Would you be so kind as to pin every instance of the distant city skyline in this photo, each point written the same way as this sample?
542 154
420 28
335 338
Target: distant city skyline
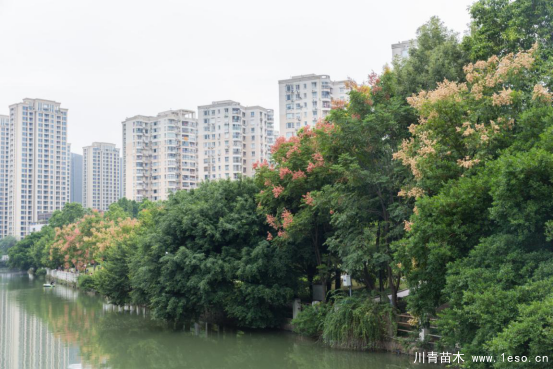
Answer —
115 60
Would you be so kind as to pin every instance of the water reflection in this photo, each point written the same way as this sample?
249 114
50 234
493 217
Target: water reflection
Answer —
25 341
63 328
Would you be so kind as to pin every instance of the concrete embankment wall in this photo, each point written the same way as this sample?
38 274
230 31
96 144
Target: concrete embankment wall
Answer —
67 278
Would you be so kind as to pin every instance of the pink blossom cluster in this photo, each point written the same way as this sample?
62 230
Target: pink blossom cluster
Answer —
277 190
287 219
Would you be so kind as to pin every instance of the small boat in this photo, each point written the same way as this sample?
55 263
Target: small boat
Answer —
48 285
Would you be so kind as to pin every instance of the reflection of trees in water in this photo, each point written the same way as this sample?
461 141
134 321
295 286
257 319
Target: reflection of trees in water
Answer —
69 315
123 340
151 346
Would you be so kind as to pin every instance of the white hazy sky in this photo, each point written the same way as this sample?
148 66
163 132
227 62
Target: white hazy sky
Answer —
106 60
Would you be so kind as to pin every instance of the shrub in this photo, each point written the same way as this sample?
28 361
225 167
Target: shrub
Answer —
41 272
357 323
86 283
310 321
351 322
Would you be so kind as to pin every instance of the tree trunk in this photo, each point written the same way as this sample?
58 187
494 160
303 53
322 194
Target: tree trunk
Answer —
337 279
393 287
310 277
319 260
369 279
380 278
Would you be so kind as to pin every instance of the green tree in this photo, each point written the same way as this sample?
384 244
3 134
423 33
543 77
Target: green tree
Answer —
289 186
463 129
500 27
130 207
6 243
529 335
35 250
112 280
70 213
435 55
208 255
19 254
493 288
368 213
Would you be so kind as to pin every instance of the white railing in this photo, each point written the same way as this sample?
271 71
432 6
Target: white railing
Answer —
61 275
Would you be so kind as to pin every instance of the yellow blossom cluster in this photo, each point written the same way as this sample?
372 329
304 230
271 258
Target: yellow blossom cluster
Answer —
541 93
467 162
404 154
445 90
487 85
415 192
491 72
504 97
427 145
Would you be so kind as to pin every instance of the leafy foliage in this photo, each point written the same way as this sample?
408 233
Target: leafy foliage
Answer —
358 323
6 243
500 27
349 322
310 321
208 253
435 55
86 282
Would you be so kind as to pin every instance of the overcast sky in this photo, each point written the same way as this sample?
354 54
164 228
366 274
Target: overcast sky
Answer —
106 60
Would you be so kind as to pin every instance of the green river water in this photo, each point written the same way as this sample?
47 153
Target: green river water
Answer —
63 328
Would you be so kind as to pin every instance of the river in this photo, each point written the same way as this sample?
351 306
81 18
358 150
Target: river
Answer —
63 328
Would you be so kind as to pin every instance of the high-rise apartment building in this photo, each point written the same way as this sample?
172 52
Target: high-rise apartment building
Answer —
101 170
231 138
121 179
159 154
401 49
76 193
305 99
4 152
36 160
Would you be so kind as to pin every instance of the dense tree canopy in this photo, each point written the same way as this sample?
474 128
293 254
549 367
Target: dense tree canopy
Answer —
500 27
6 243
435 55
209 253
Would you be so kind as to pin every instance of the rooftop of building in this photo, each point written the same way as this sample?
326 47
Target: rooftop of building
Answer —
304 77
188 114
96 144
220 103
138 117
400 44
27 99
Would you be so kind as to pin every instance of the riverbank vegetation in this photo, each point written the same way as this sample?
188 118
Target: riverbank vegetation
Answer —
349 322
436 175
